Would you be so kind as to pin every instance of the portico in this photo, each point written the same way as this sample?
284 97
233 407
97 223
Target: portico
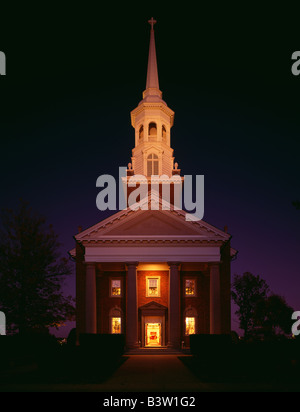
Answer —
114 248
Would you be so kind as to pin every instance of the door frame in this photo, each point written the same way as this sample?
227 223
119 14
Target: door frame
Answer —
153 319
149 311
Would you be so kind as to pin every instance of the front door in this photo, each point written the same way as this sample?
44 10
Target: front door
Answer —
153 334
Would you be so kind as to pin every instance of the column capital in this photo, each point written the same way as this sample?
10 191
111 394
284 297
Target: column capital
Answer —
89 264
214 263
130 264
172 264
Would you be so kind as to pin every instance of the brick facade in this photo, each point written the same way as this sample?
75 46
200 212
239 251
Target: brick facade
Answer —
200 303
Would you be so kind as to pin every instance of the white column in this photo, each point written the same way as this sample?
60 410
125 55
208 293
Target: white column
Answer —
174 306
132 310
215 299
90 299
159 131
168 135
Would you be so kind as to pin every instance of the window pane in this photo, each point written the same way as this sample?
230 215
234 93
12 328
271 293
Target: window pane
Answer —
155 167
116 287
153 291
189 326
153 283
116 325
190 287
152 287
149 168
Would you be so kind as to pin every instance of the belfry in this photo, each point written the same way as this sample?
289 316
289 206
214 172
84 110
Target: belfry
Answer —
153 275
152 120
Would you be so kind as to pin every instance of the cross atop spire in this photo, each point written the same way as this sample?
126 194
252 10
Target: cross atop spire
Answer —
152 75
152 22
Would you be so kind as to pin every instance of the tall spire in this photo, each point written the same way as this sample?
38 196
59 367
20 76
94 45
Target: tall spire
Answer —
152 92
152 73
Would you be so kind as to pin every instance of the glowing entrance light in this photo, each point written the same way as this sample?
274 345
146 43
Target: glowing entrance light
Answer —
153 334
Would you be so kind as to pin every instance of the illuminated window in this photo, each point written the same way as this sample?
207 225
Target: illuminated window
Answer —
115 320
153 286
152 165
115 289
190 326
190 287
115 325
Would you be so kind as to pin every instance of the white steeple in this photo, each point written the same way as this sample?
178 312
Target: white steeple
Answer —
152 120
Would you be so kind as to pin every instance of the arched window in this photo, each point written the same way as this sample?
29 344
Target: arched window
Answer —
115 320
164 134
141 133
190 321
152 132
152 165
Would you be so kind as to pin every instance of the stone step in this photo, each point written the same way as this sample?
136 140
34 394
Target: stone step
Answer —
155 351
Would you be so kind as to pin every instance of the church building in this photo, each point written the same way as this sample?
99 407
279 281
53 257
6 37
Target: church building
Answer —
153 275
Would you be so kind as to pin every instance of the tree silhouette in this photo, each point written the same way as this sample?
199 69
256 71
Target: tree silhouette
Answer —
31 272
247 291
272 317
296 204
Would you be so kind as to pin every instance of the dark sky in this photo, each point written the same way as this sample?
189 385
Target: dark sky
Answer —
75 73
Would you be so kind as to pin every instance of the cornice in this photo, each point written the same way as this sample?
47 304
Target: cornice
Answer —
154 242
151 106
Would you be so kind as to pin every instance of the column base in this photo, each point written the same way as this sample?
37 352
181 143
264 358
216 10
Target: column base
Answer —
174 345
132 345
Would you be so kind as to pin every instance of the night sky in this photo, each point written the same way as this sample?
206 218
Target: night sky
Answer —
75 73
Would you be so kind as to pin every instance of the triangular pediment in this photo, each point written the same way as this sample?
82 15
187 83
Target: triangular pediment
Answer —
154 147
153 306
152 222
159 224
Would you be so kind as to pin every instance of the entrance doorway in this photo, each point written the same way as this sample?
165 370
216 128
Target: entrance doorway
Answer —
153 334
152 331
